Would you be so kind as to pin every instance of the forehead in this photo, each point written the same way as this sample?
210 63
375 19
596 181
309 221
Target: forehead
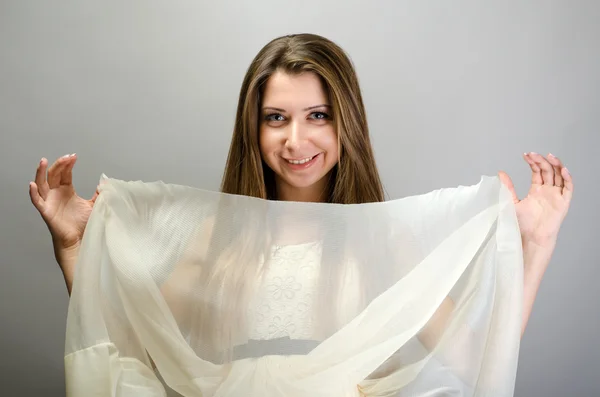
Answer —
290 91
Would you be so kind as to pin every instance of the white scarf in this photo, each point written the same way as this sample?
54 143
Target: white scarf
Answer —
182 291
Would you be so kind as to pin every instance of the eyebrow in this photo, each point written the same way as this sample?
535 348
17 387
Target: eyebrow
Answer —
305 109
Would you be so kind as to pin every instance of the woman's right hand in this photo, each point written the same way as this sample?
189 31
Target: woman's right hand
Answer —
65 213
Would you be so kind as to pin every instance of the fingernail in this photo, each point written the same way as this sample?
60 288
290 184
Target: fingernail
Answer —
65 156
73 155
551 155
532 153
567 171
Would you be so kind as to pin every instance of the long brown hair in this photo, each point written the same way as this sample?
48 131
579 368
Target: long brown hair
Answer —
233 263
355 178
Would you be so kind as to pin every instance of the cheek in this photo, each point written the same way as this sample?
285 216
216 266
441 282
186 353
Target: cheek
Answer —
266 145
329 142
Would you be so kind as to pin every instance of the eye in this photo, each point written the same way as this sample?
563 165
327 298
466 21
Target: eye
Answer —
274 117
319 116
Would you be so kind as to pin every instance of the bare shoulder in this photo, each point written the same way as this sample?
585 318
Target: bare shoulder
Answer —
178 289
199 242
195 250
186 271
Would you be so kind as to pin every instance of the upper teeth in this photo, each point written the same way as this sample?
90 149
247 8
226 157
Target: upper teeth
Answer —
300 161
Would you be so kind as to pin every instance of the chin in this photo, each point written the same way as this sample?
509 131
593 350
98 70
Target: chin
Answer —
306 183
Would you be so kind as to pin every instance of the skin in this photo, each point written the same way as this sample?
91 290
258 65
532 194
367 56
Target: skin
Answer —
297 130
296 124
540 214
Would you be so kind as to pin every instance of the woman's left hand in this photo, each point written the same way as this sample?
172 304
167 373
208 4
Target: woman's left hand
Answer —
542 212
540 215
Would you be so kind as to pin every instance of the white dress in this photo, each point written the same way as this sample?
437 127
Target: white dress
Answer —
281 311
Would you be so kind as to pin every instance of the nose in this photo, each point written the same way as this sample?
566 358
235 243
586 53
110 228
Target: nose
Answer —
293 136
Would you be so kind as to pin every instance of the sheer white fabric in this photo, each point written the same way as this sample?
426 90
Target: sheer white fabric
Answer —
186 292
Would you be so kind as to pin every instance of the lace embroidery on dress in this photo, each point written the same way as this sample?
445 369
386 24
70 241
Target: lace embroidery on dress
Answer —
281 307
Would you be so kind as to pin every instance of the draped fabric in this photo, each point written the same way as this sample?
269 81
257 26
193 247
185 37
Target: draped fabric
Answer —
180 291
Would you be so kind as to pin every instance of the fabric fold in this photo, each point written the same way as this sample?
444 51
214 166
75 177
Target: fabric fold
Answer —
180 291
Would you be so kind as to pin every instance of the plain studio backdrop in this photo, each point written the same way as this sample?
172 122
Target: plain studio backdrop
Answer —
148 90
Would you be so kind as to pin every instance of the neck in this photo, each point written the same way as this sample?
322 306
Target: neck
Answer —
316 193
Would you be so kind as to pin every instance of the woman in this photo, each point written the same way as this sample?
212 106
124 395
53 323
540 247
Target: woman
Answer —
301 135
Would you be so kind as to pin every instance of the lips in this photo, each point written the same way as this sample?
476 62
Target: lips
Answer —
301 163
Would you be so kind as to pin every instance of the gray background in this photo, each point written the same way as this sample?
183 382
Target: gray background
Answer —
454 90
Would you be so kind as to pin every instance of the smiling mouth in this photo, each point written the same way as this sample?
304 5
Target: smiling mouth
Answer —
301 161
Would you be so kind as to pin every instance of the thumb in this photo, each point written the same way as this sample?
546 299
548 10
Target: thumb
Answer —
505 179
96 193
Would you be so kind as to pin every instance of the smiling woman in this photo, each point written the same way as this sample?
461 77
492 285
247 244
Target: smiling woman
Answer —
301 99
297 279
298 140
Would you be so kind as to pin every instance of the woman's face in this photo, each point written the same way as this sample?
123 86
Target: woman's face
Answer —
297 136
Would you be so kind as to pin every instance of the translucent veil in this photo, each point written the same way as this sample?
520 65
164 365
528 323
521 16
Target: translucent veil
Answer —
182 291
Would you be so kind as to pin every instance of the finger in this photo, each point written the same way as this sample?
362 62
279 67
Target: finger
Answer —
536 174
545 166
55 170
95 196
40 178
505 179
36 199
557 165
66 176
568 180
